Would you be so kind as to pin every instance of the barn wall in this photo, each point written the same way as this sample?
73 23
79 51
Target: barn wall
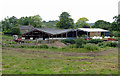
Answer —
95 34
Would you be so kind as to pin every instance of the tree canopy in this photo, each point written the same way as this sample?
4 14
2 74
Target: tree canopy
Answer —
102 24
35 21
65 22
9 23
82 23
116 24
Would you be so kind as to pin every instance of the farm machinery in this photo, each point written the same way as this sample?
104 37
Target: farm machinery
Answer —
17 38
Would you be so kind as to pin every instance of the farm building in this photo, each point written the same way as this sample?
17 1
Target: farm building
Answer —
54 33
49 33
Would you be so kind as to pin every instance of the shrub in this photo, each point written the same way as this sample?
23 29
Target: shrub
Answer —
53 47
95 41
111 44
72 46
43 46
91 47
22 46
32 46
79 42
117 38
102 45
115 33
71 41
12 42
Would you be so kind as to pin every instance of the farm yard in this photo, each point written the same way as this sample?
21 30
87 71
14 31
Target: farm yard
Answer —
21 59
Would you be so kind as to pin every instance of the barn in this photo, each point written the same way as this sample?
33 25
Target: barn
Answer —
49 33
54 33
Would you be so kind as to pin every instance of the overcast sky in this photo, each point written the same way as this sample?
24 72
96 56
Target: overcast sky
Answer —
50 9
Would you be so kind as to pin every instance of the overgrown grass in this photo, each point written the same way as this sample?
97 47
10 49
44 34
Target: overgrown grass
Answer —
91 47
45 61
52 60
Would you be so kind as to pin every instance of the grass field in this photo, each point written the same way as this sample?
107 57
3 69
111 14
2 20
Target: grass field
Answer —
41 61
58 61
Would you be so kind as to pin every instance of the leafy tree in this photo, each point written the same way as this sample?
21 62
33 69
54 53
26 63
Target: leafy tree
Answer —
116 24
35 21
49 24
102 24
15 31
65 21
8 23
82 23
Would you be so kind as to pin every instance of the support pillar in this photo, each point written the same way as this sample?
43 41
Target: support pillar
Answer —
76 34
87 36
66 35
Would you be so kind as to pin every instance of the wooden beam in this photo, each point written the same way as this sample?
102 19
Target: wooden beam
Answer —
66 34
87 36
76 33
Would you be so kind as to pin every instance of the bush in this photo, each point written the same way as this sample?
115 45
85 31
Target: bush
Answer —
95 41
12 42
79 42
53 47
43 46
22 46
65 41
102 45
72 46
32 46
115 33
91 47
111 44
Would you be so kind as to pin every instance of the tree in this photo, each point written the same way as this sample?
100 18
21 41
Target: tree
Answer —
116 24
35 21
8 23
102 24
82 23
49 24
15 31
65 21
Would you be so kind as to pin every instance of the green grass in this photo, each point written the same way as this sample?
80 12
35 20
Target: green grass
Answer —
58 60
39 61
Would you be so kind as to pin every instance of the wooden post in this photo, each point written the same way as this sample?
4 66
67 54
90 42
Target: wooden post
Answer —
52 38
104 34
61 35
72 34
66 34
87 36
76 33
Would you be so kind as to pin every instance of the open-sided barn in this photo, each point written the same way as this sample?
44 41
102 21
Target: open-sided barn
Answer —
54 33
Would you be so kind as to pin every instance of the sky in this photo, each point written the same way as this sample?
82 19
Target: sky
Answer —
93 10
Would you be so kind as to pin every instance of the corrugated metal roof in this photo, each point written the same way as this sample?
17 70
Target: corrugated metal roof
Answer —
93 30
54 31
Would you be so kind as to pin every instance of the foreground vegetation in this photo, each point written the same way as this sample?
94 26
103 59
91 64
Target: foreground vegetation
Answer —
43 59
